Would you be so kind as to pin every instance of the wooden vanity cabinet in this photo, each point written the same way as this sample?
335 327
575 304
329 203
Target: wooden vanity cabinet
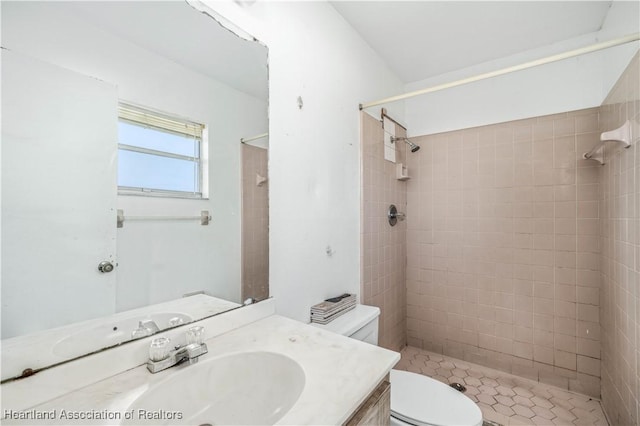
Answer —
376 409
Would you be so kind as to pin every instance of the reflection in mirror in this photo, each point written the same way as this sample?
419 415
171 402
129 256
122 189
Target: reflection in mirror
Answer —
255 219
72 281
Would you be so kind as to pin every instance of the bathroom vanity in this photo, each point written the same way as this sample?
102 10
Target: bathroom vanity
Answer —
260 368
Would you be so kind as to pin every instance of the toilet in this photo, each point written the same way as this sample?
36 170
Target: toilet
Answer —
415 399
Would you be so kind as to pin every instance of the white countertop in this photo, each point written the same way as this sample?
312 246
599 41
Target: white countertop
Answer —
339 374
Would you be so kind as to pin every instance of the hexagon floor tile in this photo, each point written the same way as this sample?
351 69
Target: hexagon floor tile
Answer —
503 403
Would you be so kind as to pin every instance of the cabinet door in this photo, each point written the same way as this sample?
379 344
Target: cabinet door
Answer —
59 153
376 410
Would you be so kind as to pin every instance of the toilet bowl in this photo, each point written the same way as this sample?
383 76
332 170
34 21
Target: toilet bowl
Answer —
415 399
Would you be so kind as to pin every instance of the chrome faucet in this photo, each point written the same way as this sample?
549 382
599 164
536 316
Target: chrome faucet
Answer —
145 328
162 357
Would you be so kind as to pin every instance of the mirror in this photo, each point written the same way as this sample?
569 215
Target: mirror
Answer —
72 280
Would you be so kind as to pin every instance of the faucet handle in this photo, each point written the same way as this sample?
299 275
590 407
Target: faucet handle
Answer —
159 348
195 334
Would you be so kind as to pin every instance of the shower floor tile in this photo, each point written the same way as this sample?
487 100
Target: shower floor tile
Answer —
506 399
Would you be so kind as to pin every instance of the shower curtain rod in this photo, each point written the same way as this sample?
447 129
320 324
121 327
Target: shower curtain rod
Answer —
383 114
253 138
553 58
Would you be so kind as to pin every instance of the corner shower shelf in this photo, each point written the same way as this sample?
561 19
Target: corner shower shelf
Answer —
621 134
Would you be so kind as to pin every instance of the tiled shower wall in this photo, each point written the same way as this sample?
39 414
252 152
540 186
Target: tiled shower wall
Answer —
383 247
620 239
503 248
255 224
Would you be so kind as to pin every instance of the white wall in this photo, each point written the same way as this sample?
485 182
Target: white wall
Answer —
314 151
157 261
38 102
623 18
572 84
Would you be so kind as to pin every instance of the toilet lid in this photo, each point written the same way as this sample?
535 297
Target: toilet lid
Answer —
421 400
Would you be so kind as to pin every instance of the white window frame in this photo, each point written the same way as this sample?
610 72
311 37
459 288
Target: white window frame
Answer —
145 117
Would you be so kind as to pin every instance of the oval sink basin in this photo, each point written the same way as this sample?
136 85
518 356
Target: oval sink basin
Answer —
247 388
112 333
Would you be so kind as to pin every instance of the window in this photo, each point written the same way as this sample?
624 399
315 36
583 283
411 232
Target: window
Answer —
159 155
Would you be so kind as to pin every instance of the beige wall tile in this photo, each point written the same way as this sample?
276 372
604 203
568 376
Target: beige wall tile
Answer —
564 126
386 281
565 325
588 295
587 123
523 350
543 290
542 130
255 230
512 221
543 338
565 292
564 176
590 366
588 330
564 309
588 347
543 354
590 313
543 322
565 343
565 276
565 360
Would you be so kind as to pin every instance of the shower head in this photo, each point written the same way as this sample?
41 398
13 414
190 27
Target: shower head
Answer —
412 145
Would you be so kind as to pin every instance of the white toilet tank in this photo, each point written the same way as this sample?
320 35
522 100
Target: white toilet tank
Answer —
360 323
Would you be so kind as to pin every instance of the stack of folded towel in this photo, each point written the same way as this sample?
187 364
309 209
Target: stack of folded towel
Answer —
330 309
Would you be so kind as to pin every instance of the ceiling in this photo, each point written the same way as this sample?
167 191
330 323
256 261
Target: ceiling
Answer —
422 39
175 30
417 39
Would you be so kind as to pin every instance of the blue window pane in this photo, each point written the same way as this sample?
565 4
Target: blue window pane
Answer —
148 171
151 138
